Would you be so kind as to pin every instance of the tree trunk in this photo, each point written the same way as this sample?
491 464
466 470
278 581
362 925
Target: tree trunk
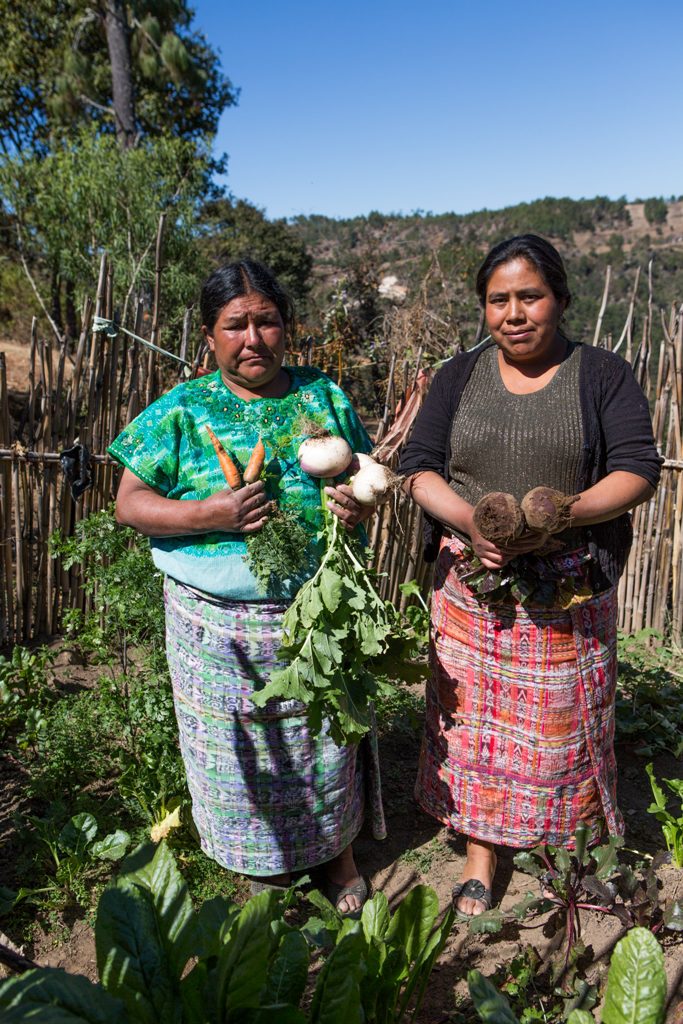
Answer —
72 328
56 300
123 94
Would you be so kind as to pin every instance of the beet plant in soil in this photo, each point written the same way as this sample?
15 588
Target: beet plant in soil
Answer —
635 993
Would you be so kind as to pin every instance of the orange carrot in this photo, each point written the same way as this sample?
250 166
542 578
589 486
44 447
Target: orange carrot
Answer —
230 470
255 464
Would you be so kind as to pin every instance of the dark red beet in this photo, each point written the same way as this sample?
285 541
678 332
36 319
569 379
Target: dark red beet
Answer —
547 510
498 517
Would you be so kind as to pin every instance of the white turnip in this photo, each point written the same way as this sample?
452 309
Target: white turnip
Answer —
374 484
359 461
324 456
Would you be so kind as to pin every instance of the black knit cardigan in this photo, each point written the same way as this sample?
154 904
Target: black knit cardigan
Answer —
617 435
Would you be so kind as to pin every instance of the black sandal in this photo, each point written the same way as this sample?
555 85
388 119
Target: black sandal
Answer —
475 890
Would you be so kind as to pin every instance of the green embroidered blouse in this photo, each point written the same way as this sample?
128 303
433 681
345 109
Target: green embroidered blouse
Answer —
168 448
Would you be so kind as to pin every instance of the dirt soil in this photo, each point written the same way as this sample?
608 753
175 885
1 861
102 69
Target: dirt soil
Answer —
418 849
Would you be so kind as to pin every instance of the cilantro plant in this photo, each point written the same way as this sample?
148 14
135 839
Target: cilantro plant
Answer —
342 643
278 550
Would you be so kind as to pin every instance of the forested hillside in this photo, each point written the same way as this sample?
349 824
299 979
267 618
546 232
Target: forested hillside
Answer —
439 254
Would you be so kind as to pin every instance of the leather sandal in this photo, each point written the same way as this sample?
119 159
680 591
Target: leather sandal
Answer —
475 890
336 893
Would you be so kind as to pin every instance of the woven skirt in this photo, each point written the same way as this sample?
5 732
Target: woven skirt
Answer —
519 737
267 797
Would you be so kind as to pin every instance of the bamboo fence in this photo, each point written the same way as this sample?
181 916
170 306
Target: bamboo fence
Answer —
89 395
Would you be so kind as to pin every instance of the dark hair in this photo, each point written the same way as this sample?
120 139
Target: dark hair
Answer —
233 280
541 254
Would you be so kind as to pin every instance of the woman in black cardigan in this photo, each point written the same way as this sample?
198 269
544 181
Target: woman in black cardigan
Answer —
518 744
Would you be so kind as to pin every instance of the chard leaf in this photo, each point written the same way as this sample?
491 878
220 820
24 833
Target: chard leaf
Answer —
376 917
657 791
132 962
413 921
317 933
336 999
490 1004
78 833
112 847
278 1014
154 868
330 915
636 982
213 915
288 971
52 996
243 960
194 994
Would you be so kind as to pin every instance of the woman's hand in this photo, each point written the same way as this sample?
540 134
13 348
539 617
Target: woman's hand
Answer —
243 511
349 512
140 506
492 556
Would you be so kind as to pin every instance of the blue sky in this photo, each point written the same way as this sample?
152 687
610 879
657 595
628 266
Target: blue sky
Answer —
346 108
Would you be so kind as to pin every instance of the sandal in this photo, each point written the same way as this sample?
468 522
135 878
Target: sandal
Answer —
474 890
336 893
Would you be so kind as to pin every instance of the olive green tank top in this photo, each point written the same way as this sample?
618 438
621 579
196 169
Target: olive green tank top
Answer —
506 442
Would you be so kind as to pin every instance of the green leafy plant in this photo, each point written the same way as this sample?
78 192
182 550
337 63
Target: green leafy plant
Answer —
649 701
126 588
343 643
159 959
126 632
672 826
278 550
25 693
534 997
579 881
636 987
528 579
74 848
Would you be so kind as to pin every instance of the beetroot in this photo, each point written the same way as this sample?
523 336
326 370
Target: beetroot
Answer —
547 510
498 517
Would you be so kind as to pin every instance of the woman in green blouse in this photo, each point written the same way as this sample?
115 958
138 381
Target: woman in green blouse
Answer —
267 797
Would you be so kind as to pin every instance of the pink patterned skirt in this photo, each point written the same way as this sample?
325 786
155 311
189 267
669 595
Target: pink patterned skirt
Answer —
519 733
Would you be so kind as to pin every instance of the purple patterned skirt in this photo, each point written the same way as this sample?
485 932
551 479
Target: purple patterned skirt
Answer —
267 797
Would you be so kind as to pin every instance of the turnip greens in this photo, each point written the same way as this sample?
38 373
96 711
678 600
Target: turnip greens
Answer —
343 643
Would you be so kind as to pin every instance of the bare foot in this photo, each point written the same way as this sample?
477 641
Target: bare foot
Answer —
481 864
342 870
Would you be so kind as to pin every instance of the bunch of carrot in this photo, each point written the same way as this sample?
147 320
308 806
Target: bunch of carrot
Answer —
231 473
277 551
